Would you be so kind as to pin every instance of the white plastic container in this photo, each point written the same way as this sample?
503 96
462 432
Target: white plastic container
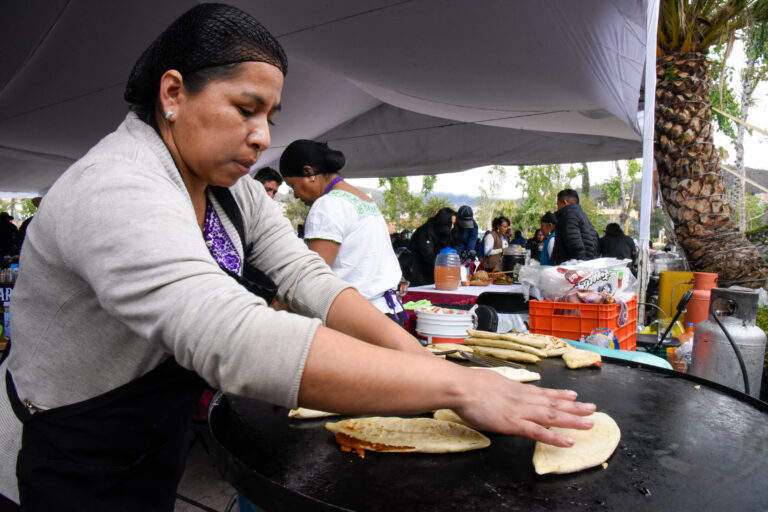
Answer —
440 325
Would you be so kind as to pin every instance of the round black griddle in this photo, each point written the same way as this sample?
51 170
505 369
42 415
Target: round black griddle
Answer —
681 448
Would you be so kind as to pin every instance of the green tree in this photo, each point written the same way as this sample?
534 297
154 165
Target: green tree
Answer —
490 191
722 95
688 164
401 207
539 185
620 189
584 172
755 210
434 204
295 210
26 208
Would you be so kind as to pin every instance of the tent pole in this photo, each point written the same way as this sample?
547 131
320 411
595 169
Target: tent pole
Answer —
646 191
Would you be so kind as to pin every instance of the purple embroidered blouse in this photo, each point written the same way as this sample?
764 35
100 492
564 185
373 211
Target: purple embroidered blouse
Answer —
218 241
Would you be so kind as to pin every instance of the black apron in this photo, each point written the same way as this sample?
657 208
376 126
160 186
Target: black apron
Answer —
124 449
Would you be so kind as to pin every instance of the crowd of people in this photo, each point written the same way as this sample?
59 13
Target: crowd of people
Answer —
563 235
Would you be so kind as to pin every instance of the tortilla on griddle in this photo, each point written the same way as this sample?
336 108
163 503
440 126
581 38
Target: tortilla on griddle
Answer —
557 348
533 340
307 414
518 374
510 345
392 434
590 448
443 347
578 358
506 354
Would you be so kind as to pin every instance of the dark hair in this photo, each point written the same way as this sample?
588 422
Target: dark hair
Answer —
266 174
206 43
569 195
549 218
316 155
498 221
536 233
518 233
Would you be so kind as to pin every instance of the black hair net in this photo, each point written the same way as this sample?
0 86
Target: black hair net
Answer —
205 36
314 154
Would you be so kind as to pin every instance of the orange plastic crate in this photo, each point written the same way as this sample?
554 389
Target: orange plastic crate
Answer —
571 321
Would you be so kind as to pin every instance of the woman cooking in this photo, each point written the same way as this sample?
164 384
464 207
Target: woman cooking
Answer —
494 243
148 271
344 225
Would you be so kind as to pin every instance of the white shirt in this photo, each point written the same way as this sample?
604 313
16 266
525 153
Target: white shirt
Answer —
365 258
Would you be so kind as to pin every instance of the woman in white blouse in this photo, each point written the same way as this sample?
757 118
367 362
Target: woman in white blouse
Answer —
344 225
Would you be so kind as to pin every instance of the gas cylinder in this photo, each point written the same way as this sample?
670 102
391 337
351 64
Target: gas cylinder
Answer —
713 357
697 309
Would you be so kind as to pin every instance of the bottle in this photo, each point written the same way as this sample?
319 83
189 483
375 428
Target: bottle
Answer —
688 334
447 269
672 357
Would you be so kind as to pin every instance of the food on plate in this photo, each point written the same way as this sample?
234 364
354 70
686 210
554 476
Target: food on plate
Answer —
511 345
478 282
518 374
577 358
481 275
590 448
392 434
503 280
506 354
307 414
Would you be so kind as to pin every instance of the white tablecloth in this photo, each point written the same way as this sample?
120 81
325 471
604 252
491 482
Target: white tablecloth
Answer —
476 290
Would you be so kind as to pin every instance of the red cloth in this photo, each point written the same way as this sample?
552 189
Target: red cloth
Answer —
439 298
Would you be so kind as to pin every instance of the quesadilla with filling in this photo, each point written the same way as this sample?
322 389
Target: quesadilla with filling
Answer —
391 434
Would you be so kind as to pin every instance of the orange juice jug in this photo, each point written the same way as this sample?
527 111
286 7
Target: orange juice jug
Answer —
447 269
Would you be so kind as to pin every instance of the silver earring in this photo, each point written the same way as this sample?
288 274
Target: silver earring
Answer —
313 178
168 115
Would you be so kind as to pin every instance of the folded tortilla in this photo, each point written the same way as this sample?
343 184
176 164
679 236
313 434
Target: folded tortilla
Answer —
506 354
578 358
590 448
510 345
533 340
391 434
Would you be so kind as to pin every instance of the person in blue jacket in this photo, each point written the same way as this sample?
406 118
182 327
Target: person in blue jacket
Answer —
464 235
547 226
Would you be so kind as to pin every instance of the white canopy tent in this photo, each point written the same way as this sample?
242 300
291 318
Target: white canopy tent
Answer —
402 87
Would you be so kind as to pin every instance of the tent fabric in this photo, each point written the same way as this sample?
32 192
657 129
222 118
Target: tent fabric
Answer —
403 87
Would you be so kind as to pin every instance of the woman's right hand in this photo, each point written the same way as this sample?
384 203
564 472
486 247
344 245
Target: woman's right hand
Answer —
495 403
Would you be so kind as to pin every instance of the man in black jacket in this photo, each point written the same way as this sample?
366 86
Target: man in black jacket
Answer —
575 236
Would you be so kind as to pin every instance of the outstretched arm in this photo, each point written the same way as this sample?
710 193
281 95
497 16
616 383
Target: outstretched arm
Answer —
346 376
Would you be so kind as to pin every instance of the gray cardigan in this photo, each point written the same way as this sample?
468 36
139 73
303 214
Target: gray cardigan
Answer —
115 277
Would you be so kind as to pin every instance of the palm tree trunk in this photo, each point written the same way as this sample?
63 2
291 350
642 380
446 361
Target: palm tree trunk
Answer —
689 173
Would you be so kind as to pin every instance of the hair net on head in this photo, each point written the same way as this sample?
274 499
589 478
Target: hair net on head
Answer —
314 154
205 36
